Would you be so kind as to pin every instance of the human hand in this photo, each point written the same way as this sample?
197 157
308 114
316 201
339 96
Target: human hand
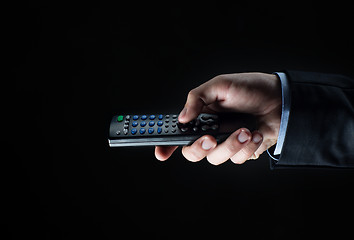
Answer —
258 94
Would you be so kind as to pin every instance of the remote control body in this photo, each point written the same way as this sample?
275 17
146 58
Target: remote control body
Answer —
164 129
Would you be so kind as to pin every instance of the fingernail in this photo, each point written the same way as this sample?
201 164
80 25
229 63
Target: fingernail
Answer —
207 144
242 136
257 138
183 113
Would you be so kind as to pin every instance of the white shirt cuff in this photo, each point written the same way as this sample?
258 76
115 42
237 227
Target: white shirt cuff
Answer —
285 106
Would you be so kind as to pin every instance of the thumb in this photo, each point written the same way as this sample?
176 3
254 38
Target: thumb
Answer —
207 93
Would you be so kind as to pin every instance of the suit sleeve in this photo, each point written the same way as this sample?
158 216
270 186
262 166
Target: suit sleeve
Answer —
320 130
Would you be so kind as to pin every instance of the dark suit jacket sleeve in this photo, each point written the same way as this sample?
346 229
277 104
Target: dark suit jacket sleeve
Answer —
320 130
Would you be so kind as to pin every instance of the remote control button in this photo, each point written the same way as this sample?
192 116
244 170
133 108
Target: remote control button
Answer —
174 125
120 118
215 126
142 130
166 126
159 130
167 121
143 124
167 116
197 122
134 131
118 132
144 117
184 129
135 117
127 117
195 129
174 116
205 127
166 130
173 130
125 131
151 130
152 117
204 117
159 123
126 126
135 123
151 123
160 117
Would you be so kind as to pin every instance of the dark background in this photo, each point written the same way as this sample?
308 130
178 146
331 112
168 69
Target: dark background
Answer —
72 67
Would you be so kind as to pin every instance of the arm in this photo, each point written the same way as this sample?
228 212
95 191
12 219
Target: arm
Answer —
320 130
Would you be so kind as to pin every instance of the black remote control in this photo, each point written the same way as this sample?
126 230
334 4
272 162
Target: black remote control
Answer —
164 129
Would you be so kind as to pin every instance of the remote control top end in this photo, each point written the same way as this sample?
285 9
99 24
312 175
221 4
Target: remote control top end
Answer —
164 129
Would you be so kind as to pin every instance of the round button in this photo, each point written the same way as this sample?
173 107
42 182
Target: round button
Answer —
135 117
160 117
152 117
134 131
159 123
159 130
120 118
135 123
143 124
184 129
151 130
151 123
144 117
142 130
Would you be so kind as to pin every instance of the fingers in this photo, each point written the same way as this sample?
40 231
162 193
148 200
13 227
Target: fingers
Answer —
232 145
248 151
199 149
239 147
207 93
162 153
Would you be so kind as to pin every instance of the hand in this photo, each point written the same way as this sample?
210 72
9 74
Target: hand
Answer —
258 94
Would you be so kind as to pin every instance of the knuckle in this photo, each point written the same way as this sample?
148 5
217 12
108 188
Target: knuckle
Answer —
237 160
232 148
191 93
246 152
212 161
241 156
192 154
220 78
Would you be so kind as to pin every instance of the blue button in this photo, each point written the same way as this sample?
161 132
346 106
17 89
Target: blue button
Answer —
135 123
143 124
160 117
159 123
144 117
159 130
142 130
151 130
151 123
152 117
134 131
135 117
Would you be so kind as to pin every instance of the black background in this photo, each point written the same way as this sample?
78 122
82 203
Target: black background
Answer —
72 67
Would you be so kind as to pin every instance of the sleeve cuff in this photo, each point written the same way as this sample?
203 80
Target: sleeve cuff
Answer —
285 89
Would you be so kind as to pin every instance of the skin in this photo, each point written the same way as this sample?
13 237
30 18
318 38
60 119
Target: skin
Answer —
258 94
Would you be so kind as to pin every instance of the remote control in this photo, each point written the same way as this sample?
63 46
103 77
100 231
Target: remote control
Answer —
164 129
